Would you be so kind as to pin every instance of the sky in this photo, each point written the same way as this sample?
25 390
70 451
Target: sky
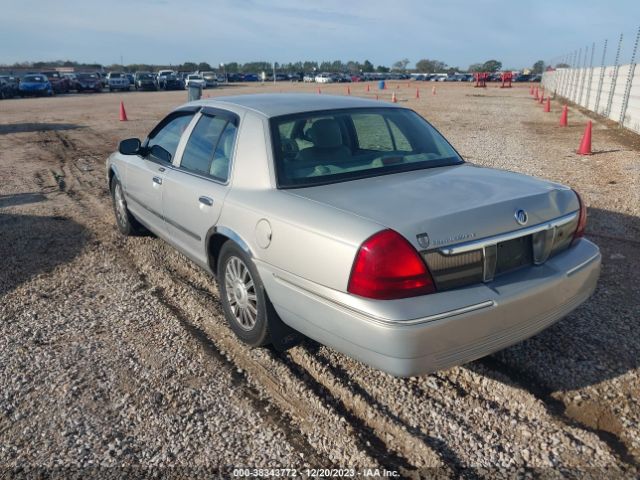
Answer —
516 32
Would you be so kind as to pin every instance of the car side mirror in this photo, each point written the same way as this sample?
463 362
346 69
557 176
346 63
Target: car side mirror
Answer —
130 146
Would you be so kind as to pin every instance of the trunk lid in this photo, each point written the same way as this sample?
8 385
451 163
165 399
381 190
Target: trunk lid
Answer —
450 204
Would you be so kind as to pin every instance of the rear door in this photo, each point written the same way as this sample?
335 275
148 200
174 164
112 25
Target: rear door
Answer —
195 189
146 174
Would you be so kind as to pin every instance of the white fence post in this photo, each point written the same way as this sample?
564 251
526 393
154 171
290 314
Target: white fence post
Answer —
576 77
593 50
599 94
627 90
614 78
583 75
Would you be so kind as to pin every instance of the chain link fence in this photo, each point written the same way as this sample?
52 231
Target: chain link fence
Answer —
612 91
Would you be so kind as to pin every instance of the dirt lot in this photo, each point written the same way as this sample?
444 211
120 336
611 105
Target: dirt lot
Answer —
114 352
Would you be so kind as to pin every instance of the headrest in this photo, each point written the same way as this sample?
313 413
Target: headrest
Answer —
325 133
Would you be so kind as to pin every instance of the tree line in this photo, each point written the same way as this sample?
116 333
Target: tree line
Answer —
424 65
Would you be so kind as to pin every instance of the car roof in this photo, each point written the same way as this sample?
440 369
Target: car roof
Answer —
277 104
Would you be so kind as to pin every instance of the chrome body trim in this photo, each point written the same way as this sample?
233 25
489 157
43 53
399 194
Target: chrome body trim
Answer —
227 232
484 242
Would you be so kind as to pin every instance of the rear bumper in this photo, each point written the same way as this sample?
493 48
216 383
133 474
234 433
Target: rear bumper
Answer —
424 334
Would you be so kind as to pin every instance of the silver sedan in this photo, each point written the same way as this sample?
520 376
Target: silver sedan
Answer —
355 223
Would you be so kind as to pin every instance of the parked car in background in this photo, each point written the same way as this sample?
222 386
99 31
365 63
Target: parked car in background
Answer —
168 80
145 81
309 78
35 85
296 76
196 80
131 78
103 79
357 224
59 83
235 77
251 77
324 78
87 82
117 81
523 77
210 78
71 80
8 86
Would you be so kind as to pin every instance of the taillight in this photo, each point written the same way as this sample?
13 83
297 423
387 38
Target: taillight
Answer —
582 219
387 267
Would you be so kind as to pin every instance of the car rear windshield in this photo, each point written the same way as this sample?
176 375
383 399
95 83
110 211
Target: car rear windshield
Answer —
84 76
116 75
318 148
33 78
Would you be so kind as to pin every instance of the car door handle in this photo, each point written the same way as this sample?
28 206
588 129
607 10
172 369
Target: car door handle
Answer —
206 201
157 180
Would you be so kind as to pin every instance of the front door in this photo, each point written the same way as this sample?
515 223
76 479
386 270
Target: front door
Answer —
146 175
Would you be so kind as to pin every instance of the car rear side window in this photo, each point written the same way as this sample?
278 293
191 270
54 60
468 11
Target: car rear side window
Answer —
208 150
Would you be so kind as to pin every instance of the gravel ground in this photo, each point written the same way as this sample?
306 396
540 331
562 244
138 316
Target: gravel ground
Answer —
114 352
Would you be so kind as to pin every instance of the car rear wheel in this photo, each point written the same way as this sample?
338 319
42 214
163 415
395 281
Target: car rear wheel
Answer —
244 300
127 224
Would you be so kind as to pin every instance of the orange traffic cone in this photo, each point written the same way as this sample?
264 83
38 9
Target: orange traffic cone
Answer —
123 114
417 93
393 98
433 90
530 89
408 85
367 87
547 106
398 87
563 116
585 144
348 90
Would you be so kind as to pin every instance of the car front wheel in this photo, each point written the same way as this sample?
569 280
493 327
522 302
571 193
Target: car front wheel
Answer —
126 222
243 296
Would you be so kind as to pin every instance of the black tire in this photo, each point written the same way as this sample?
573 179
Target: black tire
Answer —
126 223
258 334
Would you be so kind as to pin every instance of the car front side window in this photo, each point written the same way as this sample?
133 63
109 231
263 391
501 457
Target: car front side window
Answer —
167 135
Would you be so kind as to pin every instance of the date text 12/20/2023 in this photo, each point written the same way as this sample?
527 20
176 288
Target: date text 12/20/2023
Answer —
314 472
